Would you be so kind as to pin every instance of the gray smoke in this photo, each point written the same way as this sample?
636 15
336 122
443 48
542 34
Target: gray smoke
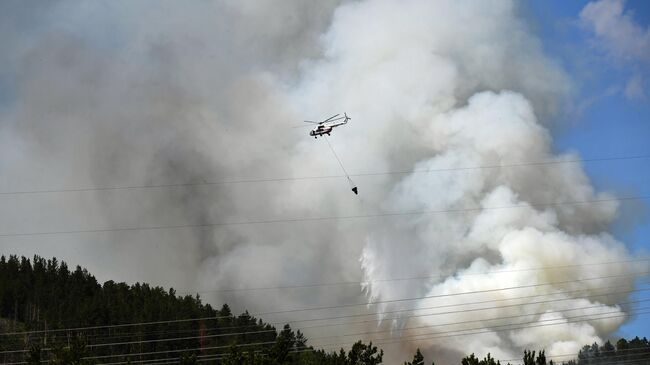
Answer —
121 93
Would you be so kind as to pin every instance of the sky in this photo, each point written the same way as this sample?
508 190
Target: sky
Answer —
610 123
118 93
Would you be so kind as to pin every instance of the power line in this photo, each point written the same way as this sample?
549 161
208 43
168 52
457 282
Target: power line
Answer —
599 351
493 319
273 342
298 178
319 219
209 357
375 320
176 339
414 310
356 334
172 351
454 333
76 329
455 311
263 344
600 361
482 330
218 356
203 358
452 294
200 358
311 285
182 350
129 334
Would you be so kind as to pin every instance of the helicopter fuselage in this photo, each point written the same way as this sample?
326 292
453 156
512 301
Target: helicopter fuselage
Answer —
326 126
320 130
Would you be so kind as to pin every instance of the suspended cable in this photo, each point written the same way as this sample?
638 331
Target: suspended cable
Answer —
353 187
439 276
390 312
480 330
76 329
264 180
616 351
435 307
176 339
454 311
492 319
130 334
618 354
320 219
452 294
451 334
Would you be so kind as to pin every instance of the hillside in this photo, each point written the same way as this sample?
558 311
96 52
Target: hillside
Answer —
50 314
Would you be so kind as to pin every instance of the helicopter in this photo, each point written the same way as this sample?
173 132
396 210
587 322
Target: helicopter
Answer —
326 126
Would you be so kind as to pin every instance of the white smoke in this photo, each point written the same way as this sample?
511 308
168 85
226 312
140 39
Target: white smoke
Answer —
208 91
450 84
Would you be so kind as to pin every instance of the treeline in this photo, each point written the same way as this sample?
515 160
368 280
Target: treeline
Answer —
635 351
40 297
51 314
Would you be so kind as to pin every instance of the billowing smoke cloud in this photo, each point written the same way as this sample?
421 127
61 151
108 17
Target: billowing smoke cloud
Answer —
617 30
122 94
623 39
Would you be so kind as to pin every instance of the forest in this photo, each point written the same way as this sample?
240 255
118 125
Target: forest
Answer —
50 314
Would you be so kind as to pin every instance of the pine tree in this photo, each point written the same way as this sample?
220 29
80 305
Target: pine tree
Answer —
529 357
34 355
418 359
362 354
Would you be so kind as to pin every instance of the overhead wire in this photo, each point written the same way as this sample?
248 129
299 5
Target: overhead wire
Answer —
297 178
453 312
457 332
491 319
618 354
403 329
380 341
446 324
337 306
294 321
480 330
210 357
383 341
349 323
413 315
438 276
203 358
322 218
617 351
344 217
207 336
453 294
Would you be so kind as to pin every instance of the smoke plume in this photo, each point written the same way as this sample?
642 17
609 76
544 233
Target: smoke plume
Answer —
114 93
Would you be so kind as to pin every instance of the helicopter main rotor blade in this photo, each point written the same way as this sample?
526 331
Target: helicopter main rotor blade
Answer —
330 118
